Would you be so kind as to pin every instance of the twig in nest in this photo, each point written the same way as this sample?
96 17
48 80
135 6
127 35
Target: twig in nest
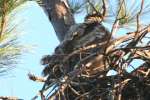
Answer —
120 40
146 73
89 47
122 83
35 78
74 91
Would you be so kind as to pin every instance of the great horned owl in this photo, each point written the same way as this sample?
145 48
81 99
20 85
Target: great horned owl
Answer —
81 35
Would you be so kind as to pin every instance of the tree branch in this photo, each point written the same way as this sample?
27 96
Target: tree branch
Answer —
60 16
9 98
36 78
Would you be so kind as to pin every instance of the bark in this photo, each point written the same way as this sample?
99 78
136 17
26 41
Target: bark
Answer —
60 16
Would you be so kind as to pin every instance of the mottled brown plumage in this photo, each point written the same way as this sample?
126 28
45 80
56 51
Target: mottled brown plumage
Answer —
80 36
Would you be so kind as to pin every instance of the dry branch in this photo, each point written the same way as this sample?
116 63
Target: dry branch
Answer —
9 98
35 78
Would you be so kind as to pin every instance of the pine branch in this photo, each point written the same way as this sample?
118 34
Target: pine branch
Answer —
3 20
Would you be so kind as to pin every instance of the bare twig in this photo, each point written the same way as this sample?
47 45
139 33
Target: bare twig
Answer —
93 7
104 9
35 78
114 27
138 15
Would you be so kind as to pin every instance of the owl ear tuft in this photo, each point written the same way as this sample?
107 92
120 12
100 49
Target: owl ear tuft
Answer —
93 18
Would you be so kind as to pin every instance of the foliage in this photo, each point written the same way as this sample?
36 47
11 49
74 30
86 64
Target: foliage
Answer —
10 49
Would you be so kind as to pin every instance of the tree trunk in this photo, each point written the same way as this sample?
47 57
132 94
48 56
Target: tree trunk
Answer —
60 16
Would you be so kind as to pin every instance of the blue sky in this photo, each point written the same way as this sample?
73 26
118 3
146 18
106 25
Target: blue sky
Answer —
35 31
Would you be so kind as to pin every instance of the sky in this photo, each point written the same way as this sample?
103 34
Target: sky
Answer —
38 36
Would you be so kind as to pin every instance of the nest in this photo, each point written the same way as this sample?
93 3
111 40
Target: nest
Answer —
82 73
79 68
